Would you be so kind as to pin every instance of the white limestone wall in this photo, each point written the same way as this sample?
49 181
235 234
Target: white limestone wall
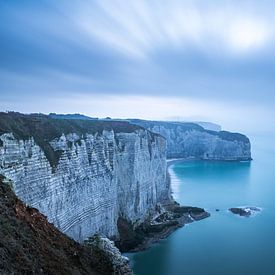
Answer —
139 191
98 178
201 145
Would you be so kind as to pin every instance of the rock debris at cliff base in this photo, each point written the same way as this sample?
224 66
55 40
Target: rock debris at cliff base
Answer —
170 216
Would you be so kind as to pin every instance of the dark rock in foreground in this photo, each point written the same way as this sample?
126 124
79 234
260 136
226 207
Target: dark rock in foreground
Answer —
170 217
106 249
244 211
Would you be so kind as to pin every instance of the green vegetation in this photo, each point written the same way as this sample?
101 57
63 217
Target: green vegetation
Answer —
71 116
233 136
186 126
44 129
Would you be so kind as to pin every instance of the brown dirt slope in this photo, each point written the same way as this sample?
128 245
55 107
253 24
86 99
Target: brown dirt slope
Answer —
29 244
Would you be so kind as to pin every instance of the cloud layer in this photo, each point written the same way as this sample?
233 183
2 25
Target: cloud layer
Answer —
188 50
138 28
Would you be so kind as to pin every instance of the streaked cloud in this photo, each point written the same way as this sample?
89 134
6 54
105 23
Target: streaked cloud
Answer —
249 35
192 51
136 28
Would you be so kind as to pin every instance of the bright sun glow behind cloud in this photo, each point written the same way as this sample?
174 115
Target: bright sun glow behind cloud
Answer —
135 28
248 34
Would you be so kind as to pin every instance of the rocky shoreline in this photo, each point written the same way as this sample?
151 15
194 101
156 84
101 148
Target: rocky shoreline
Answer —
164 220
170 216
176 160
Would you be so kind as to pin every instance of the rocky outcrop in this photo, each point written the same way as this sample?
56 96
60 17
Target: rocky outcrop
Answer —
29 244
168 217
105 249
84 175
189 140
246 211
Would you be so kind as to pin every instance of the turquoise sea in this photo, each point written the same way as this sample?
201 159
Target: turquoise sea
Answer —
224 244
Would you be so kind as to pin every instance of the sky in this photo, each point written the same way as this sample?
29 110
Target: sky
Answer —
168 60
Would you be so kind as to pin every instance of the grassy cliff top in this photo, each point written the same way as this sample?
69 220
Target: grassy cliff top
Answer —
187 126
167 124
25 126
44 129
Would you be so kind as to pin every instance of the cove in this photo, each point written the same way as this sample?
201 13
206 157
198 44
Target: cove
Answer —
224 243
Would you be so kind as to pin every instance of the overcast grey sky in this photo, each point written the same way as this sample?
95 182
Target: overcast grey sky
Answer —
207 60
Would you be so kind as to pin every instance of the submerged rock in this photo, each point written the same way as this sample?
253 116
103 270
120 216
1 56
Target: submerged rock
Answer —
245 211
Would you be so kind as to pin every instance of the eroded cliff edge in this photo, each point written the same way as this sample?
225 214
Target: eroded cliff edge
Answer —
84 175
190 140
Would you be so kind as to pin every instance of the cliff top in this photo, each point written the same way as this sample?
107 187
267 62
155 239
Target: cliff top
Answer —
44 129
29 244
189 126
24 126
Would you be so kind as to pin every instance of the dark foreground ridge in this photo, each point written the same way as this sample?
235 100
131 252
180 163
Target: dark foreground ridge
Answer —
170 217
29 244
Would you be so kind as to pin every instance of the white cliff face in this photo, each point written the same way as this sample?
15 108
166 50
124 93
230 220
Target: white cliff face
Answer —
186 140
203 145
98 178
140 170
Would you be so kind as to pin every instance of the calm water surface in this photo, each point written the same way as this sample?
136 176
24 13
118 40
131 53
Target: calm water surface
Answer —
224 243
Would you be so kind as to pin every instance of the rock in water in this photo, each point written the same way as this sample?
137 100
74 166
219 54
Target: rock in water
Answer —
245 211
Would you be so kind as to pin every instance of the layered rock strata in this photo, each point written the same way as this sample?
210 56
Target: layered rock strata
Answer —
84 175
189 140
168 217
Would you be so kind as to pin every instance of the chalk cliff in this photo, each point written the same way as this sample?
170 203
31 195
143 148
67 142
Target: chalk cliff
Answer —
189 140
209 126
84 175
